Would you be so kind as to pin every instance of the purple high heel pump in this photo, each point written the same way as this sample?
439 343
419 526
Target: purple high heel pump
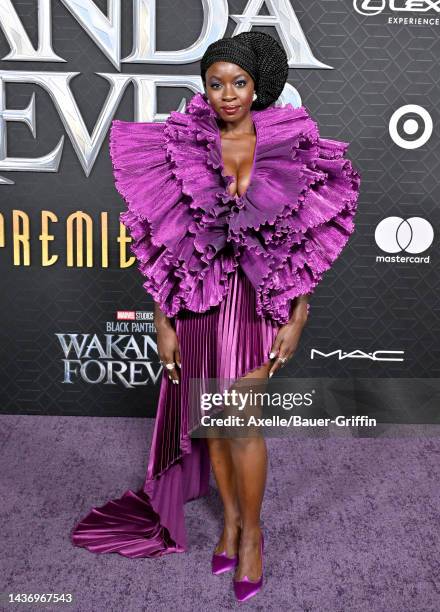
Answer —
245 588
222 563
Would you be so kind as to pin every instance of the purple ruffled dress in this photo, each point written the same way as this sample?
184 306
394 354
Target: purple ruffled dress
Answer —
226 270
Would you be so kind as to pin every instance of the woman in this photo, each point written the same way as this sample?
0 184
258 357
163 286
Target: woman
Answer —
236 209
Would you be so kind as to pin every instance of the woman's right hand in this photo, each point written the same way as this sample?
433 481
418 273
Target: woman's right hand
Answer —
168 348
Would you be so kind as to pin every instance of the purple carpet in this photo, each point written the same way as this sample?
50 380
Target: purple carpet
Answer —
351 524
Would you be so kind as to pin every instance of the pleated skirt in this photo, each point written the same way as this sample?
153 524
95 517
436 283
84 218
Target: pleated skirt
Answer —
226 342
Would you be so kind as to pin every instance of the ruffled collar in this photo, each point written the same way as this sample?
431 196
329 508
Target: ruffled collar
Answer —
193 141
208 119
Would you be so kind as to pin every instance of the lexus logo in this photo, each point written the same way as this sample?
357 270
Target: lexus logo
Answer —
375 7
413 235
369 7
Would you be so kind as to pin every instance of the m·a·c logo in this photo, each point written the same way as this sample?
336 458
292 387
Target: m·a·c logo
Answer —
413 236
340 355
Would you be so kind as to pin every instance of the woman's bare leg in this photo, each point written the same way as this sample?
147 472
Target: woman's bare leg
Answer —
249 458
222 466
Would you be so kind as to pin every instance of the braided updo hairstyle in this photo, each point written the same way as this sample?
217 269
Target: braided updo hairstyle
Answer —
260 55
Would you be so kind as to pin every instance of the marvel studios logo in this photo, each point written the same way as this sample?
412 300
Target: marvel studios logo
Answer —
134 315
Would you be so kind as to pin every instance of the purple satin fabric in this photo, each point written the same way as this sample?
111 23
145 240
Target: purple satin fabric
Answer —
226 342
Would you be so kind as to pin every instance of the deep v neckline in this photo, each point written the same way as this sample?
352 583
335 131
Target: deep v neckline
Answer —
228 177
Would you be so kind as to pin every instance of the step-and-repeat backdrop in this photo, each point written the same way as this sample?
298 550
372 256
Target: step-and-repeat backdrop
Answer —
77 326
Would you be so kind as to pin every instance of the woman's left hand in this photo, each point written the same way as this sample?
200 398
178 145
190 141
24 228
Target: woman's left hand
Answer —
287 340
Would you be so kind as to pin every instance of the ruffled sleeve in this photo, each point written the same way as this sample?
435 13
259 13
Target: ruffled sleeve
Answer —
154 218
289 255
173 253
322 224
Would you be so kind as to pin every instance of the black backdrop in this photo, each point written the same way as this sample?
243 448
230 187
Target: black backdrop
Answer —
364 304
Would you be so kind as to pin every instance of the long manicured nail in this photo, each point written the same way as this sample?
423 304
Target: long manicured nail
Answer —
270 375
179 364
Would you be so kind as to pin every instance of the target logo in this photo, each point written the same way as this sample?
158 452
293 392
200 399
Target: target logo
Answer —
410 126
413 235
